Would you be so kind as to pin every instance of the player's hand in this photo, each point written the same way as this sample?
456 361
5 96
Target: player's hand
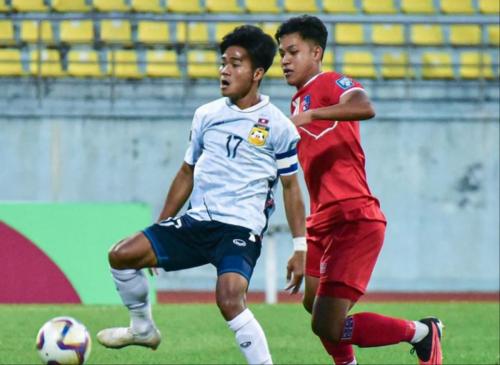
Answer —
301 118
153 271
295 271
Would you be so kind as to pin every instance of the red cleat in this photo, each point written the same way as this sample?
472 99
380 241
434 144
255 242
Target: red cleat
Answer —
429 349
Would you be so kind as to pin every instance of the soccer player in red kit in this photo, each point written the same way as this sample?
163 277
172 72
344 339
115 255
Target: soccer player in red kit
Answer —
345 229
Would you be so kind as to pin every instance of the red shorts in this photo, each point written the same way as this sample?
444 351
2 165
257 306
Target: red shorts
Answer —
343 256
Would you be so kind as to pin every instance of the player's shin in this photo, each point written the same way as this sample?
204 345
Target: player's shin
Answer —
133 287
342 354
250 338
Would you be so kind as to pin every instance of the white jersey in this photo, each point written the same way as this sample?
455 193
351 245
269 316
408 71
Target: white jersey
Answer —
238 156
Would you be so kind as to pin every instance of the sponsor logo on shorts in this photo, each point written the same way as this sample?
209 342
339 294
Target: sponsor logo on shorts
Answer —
239 242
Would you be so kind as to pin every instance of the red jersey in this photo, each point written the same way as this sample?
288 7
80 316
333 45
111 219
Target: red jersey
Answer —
331 156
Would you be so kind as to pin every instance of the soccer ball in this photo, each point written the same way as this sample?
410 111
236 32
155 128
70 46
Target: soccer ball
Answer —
63 340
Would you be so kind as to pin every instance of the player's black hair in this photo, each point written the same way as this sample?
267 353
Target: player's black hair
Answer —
259 45
309 27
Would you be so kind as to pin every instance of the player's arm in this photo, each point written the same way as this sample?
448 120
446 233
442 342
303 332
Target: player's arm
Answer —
353 105
295 215
179 192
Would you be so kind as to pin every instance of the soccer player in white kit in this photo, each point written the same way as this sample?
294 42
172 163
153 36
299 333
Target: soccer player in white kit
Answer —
240 146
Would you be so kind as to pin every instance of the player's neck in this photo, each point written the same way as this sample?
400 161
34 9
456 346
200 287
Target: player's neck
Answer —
309 78
247 101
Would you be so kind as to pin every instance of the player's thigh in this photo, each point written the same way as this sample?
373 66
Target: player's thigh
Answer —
179 243
134 252
311 286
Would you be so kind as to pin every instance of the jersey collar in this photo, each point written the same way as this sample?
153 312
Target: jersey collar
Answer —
264 100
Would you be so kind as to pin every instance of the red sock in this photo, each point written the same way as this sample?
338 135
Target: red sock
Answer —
371 329
342 354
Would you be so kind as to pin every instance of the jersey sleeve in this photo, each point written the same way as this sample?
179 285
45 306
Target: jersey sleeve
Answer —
195 147
341 84
285 148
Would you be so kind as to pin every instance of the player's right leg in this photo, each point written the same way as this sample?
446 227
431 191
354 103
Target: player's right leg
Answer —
126 259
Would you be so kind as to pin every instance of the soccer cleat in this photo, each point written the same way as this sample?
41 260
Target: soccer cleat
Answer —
429 348
119 337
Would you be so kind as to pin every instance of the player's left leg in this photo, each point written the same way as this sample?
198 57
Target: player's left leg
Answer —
235 258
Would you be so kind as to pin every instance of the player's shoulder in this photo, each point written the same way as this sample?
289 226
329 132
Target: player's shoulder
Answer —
339 80
214 106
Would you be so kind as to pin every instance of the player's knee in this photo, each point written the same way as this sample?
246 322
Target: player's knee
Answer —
117 257
230 304
326 331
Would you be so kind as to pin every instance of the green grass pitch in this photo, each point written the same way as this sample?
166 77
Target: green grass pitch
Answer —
197 334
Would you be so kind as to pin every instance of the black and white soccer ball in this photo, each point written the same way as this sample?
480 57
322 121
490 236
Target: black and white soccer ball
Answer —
63 340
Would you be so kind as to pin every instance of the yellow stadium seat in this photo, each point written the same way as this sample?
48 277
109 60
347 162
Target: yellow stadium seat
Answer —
84 63
349 33
223 6
49 60
123 64
457 7
275 71
489 6
111 5
379 7
79 6
426 35
388 34
437 65
202 64
328 61
300 6
192 33
76 31
3 7
184 6
151 32
116 31
359 64
31 30
418 6
29 5
148 6
340 6
221 29
7 32
10 62
395 65
162 63
465 35
270 28
259 6
494 35
475 65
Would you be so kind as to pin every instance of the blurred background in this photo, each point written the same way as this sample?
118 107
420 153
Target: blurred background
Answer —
96 101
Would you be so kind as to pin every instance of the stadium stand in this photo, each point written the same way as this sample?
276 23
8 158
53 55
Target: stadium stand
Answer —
359 64
489 6
123 64
10 62
223 6
45 63
202 64
349 33
29 5
465 35
418 6
84 63
259 6
7 32
300 6
437 65
76 31
395 65
476 65
116 32
221 29
148 6
184 6
494 35
33 31
111 5
340 7
328 61
153 33
3 7
457 7
160 63
192 32
388 34
80 6
427 35
379 7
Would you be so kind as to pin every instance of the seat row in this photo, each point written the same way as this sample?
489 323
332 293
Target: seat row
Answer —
147 32
257 6
204 64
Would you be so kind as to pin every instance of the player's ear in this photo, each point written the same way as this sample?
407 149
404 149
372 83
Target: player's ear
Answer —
318 53
258 74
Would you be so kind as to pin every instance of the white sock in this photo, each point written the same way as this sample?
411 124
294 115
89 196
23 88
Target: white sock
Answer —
421 330
250 338
353 362
132 285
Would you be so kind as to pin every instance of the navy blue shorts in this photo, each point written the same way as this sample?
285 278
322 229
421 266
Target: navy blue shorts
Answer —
185 242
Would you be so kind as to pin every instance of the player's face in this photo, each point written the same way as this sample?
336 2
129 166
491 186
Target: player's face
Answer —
300 59
236 73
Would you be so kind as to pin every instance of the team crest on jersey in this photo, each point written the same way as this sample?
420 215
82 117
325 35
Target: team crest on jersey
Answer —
258 135
345 82
263 121
306 103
